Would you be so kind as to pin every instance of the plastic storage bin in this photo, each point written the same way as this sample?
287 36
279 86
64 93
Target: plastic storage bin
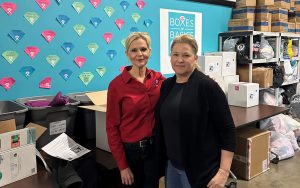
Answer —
85 125
57 119
13 110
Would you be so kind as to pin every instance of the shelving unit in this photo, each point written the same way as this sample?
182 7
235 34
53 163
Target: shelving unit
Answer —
275 40
268 35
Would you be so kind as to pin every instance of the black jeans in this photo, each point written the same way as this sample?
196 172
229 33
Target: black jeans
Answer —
141 162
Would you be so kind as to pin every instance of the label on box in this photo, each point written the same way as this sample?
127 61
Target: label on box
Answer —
265 165
58 127
227 62
237 88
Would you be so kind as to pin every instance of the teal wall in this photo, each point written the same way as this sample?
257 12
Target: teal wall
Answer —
214 20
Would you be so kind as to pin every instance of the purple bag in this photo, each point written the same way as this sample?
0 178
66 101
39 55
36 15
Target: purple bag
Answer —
59 100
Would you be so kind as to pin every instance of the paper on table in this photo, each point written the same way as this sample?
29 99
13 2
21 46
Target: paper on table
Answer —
64 147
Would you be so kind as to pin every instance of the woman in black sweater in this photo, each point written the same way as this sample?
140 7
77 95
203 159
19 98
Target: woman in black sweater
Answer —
194 125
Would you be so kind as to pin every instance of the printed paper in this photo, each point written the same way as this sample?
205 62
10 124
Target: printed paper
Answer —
31 17
16 35
147 23
52 60
109 11
95 21
43 4
120 23
32 51
79 60
7 82
65 74
10 56
107 37
136 17
78 6
140 4
63 147
95 3
124 5
68 47
93 47
48 35
86 77
101 71
79 29
27 71
9 7
62 19
46 83
111 54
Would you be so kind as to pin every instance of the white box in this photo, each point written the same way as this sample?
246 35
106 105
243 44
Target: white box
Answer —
210 65
228 66
243 94
17 138
16 164
228 80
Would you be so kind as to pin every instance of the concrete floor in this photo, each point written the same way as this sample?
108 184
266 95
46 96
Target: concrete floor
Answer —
285 174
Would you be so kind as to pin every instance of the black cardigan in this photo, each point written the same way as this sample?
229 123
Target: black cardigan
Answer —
206 127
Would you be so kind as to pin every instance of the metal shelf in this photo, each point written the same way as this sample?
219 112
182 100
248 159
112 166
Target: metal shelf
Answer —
246 33
294 35
290 82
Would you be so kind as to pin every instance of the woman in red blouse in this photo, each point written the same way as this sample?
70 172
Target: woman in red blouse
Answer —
131 99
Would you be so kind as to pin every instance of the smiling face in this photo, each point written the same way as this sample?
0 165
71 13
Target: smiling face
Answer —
138 52
183 59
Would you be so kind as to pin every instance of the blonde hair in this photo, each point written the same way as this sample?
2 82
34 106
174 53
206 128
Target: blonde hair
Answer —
137 35
190 40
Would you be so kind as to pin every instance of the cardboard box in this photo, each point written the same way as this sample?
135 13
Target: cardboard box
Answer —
17 164
244 12
261 75
279 14
228 64
228 80
285 4
297 27
245 3
280 26
100 100
262 25
297 5
264 2
262 13
291 27
240 25
292 8
17 138
297 17
243 94
211 65
252 154
17 152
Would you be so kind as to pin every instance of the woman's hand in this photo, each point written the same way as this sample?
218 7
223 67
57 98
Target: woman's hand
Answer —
219 180
127 176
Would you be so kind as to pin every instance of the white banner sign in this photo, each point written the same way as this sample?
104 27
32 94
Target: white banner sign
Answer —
172 24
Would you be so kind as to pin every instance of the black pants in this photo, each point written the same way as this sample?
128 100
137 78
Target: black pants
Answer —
141 162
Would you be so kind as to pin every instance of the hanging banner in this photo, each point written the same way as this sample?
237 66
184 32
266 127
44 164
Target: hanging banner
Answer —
172 24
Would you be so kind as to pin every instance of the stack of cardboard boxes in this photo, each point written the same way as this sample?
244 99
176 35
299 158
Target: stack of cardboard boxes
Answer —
265 15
